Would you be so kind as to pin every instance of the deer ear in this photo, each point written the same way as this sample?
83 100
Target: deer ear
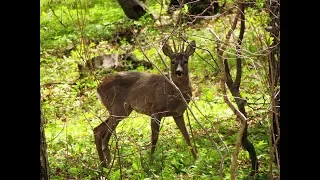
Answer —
191 48
167 50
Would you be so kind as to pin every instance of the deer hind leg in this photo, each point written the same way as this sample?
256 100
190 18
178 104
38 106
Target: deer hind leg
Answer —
181 125
103 132
155 128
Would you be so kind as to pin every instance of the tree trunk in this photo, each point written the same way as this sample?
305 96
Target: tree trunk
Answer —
133 8
234 87
44 165
274 73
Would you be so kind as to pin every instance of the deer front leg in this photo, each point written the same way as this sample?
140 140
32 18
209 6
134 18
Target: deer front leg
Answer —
155 128
102 134
181 125
99 133
110 127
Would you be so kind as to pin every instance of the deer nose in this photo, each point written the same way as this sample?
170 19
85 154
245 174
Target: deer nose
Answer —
179 69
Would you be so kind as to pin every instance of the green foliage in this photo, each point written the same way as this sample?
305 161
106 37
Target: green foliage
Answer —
71 108
66 22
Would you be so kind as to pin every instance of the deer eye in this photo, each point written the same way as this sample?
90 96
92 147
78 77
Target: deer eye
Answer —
172 62
185 62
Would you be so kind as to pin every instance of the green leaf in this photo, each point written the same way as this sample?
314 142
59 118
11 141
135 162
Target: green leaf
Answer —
135 166
70 139
115 175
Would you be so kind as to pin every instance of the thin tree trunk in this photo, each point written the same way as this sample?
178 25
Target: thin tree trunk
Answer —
234 87
44 165
274 75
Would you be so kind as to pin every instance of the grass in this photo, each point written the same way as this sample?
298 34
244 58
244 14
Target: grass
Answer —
72 152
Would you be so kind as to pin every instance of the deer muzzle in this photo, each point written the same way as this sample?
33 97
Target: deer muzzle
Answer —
179 71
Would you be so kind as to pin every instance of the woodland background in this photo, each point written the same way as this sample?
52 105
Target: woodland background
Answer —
234 73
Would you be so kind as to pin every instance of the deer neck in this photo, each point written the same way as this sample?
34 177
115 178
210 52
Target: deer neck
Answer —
182 83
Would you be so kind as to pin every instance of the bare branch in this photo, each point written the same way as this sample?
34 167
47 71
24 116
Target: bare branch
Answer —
206 60
233 27
213 127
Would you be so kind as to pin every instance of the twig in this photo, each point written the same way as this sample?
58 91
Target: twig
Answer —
225 146
119 157
55 15
56 83
191 132
217 69
214 143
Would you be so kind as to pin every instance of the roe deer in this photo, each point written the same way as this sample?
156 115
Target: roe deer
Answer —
149 94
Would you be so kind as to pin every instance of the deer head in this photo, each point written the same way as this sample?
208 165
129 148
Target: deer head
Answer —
179 61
